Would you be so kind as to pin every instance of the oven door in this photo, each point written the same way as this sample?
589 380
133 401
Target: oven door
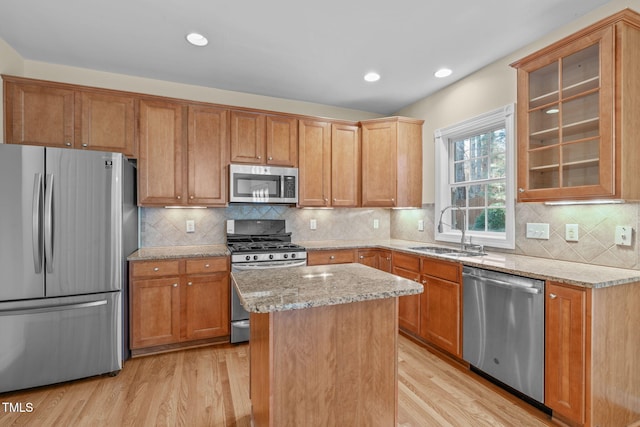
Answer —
240 316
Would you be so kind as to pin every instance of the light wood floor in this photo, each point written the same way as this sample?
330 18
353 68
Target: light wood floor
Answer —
210 387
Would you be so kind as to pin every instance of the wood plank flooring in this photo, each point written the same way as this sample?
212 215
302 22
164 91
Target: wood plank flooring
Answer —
209 386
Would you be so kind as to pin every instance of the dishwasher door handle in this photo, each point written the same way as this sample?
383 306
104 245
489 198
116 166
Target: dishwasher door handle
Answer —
503 284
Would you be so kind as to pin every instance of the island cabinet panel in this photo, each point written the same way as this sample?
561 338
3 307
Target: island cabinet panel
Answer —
408 266
343 355
331 256
178 303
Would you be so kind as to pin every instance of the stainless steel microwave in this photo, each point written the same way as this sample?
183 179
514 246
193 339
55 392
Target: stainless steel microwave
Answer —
262 184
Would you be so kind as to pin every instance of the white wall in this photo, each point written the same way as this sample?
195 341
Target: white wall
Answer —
491 87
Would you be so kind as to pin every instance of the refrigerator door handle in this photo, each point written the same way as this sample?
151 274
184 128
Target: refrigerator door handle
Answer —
36 230
52 308
48 223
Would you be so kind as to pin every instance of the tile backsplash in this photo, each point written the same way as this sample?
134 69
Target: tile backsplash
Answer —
596 223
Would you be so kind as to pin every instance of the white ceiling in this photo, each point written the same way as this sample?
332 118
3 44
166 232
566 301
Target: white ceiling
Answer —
308 51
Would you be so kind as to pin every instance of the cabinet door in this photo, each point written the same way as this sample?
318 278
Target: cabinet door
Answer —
39 115
440 315
565 351
107 122
206 306
247 137
315 163
345 165
385 261
207 156
409 305
379 164
282 140
368 257
160 168
155 312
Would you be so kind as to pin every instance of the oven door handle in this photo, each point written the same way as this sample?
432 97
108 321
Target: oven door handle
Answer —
262 266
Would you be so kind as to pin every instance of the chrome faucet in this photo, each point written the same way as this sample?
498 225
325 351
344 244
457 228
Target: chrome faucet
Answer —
464 222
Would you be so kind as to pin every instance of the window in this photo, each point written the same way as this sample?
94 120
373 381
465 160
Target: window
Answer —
475 180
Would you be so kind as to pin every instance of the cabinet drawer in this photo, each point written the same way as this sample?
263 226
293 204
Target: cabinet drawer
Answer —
443 269
406 261
206 265
341 256
155 268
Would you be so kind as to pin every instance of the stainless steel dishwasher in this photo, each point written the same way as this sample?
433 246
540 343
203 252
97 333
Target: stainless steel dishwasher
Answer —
503 328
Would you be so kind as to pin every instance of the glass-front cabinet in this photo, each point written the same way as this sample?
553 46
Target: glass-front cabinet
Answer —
572 128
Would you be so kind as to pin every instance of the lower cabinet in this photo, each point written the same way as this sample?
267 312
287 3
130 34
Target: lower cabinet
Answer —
331 256
441 304
175 302
408 266
377 258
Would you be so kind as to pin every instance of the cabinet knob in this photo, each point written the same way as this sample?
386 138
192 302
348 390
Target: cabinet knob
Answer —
332 257
334 200
326 201
553 296
424 282
206 266
521 190
178 197
192 197
175 285
85 145
189 283
361 256
67 143
393 200
156 268
270 158
259 157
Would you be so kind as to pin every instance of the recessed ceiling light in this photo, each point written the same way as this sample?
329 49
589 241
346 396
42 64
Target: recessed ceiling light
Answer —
372 77
442 72
197 39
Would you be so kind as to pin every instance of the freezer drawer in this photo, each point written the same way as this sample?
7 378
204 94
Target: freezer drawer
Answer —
59 339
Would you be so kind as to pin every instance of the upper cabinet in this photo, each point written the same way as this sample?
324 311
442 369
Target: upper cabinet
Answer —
66 116
174 171
392 162
264 139
329 162
576 107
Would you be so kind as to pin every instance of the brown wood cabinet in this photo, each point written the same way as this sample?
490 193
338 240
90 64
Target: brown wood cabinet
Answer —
329 164
183 154
264 139
392 162
577 114
67 116
408 266
331 256
175 302
376 258
441 304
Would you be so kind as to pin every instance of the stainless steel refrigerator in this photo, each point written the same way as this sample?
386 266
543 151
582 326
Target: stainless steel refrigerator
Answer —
68 220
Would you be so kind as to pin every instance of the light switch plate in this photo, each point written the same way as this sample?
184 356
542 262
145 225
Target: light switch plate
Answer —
420 225
191 226
313 224
537 231
376 224
571 232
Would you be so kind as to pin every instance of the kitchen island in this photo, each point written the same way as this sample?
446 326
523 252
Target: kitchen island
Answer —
323 344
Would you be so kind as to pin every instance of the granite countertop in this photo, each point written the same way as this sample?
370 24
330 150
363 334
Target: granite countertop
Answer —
575 273
280 289
172 252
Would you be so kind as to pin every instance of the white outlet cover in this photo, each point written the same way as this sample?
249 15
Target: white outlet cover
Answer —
571 232
623 236
313 224
191 226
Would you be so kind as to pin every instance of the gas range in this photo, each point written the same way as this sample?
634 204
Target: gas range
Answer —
258 241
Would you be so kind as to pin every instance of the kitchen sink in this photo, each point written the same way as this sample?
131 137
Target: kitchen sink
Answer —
438 250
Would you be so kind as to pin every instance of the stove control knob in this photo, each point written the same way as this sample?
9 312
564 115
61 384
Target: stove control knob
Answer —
293 255
271 256
255 257
286 255
248 258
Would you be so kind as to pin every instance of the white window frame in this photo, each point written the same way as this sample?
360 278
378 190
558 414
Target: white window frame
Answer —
503 116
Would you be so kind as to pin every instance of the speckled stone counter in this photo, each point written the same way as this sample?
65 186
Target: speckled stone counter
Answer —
280 289
172 252
575 273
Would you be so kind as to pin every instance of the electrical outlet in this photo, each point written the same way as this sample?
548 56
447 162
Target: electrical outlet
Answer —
420 225
571 232
624 233
191 226
537 231
376 224
313 224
